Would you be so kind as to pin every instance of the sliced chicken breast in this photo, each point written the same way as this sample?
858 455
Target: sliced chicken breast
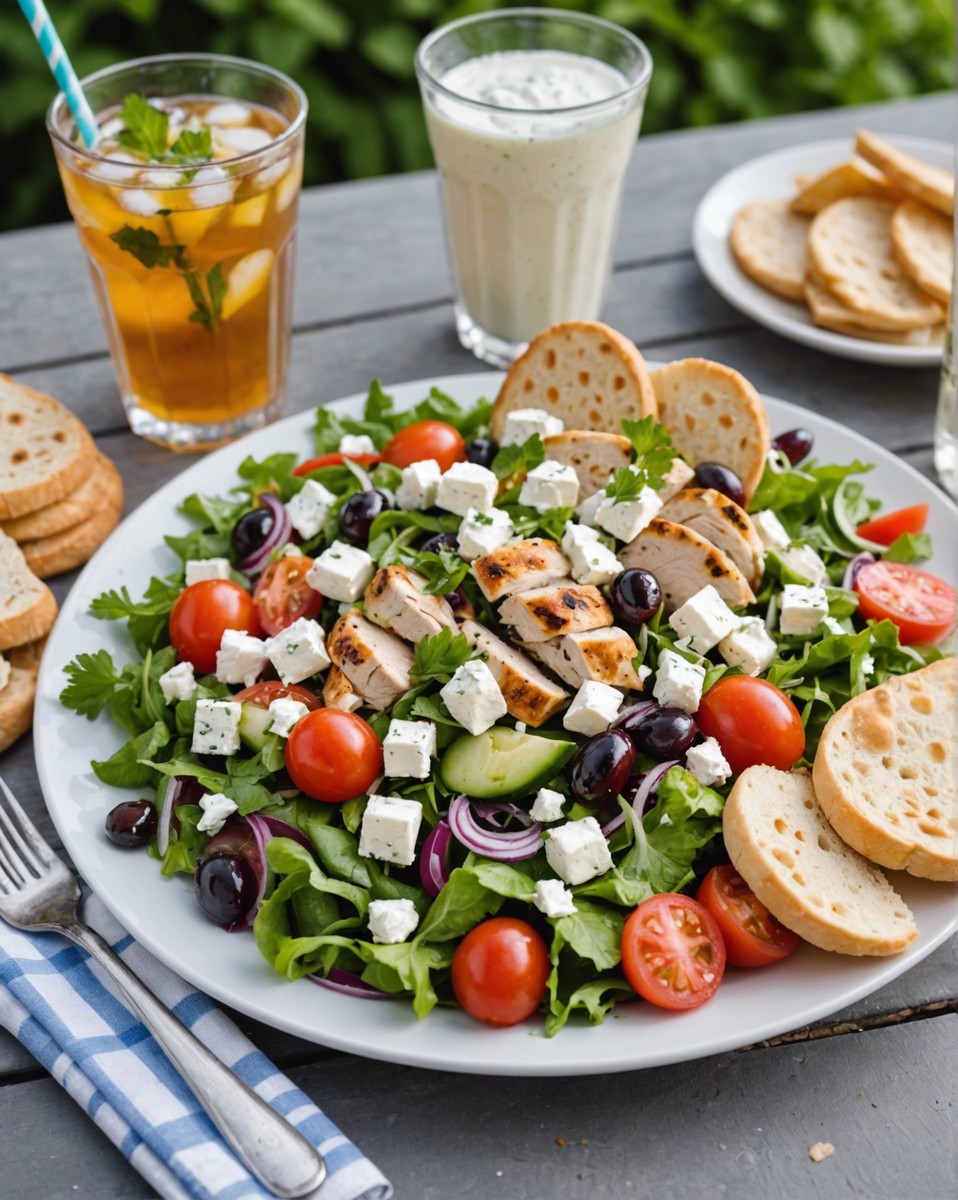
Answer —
684 562
594 456
603 655
551 611
338 692
395 600
529 693
375 662
724 523
519 566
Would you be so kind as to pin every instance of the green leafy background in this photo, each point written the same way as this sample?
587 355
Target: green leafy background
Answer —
715 60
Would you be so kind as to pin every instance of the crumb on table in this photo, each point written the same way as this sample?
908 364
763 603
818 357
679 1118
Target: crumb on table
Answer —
820 1151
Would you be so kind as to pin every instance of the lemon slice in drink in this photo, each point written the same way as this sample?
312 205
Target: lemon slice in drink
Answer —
250 212
246 280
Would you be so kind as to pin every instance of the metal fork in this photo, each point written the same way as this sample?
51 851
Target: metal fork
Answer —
37 891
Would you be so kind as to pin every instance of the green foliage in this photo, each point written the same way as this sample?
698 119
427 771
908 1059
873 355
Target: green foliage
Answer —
715 60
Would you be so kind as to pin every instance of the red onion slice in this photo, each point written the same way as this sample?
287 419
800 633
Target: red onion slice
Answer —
280 828
856 564
649 785
180 789
434 859
278 535
635 711
613 825
348 984
495 812
504 847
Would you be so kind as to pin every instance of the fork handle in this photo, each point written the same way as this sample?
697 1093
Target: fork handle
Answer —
277 1154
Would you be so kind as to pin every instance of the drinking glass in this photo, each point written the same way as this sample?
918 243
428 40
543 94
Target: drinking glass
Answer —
192 266
946 421
531 194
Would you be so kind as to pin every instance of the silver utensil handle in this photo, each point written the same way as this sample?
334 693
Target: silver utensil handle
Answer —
280 1157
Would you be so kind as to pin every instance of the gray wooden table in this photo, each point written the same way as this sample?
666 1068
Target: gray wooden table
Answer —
877 1080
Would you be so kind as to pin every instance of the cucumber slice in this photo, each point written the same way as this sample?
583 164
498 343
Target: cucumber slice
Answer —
254 724
502 762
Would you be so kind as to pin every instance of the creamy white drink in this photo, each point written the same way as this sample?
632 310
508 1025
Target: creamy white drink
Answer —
532 147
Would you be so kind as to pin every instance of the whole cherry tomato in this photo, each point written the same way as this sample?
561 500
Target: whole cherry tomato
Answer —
426 439
500 970
333 756
201 615
754 722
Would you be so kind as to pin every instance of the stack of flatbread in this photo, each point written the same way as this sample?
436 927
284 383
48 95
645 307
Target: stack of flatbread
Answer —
59 498
868 246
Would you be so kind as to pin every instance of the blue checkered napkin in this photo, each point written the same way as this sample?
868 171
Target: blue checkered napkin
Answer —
56 1002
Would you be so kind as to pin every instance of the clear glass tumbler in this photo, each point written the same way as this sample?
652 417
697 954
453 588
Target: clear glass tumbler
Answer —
533 115
946 421
192 265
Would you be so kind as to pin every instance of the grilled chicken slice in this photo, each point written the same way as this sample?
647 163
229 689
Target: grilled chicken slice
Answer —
678 476
548 612
530 695
395 600
604 655
684 562
338 692
519 566
375 662
724 523
594 456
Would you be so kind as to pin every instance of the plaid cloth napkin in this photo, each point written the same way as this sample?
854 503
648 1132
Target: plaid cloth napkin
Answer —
53 998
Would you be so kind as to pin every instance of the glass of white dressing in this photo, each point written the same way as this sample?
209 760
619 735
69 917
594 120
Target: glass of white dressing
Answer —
532 115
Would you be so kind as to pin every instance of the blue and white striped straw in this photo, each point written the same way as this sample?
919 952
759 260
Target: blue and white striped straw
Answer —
59 63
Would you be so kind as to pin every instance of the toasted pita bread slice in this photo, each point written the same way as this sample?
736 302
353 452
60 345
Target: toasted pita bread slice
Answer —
594 456
931 185
768 240
724 523
925 244
582 372
27 606
17 695
855 177
714 415
829 313
684 562
102 488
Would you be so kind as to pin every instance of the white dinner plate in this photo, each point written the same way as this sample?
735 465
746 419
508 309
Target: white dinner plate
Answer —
769 178
161 913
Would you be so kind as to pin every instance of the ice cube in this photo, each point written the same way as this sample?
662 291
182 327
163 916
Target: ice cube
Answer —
109 129
272 174
161 177
227 114
211 186
288 190
246 280
119 168
139 201
241 141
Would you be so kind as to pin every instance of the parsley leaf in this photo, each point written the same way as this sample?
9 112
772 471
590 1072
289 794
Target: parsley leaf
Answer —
444 570
438 657
653 450
518 457
146 247
93 680
625 485
146 127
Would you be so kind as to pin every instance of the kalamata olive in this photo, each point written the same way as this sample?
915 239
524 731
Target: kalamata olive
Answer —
636 595
250 532
722 478
796 444
358 513
460 604
131 824
481 451
434 542
665 734
600 768
225 887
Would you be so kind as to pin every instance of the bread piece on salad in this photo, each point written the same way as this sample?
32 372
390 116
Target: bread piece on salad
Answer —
593 456
684 562
885 772
781 844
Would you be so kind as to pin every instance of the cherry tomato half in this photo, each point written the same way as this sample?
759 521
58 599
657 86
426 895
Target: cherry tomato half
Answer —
201 615
672 951
754 721
892 525
753 937
336 460
921 605
263 694
333 756
426 439
282 594
500 970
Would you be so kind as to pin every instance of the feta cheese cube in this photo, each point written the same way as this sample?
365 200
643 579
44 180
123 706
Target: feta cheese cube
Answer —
285 714
593 708
578 851
420 483
522 423
356 443
750 646
389 829
806 564
627 519
467 485
482 532
587 509
772 533
802 609
408 747
678 682
473 697
591 560
707 763
298 651
553 898
547 805
550 485
309 508
216 727
392 921
830 624
341 572
868 665
206 568
216 808
178 683
240 658
704 619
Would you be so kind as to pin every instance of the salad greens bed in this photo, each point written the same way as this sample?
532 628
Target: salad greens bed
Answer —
313 917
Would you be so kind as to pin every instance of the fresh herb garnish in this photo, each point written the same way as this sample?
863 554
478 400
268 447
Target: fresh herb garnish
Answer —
625 485
654 453
518 457
147 129
443 569
439 656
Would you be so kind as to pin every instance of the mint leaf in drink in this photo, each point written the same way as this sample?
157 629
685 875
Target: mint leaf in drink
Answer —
216 286
145 129
192 146
146 247
208 304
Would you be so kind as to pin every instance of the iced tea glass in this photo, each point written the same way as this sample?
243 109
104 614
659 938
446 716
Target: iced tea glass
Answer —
189 237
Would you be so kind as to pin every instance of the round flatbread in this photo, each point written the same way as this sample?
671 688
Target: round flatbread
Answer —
16 697
850 245
829 313
103 488
925 244
593 456
64 551
769 240
931 185
27 606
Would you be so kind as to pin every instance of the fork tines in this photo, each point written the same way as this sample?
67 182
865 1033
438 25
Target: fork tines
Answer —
23 852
